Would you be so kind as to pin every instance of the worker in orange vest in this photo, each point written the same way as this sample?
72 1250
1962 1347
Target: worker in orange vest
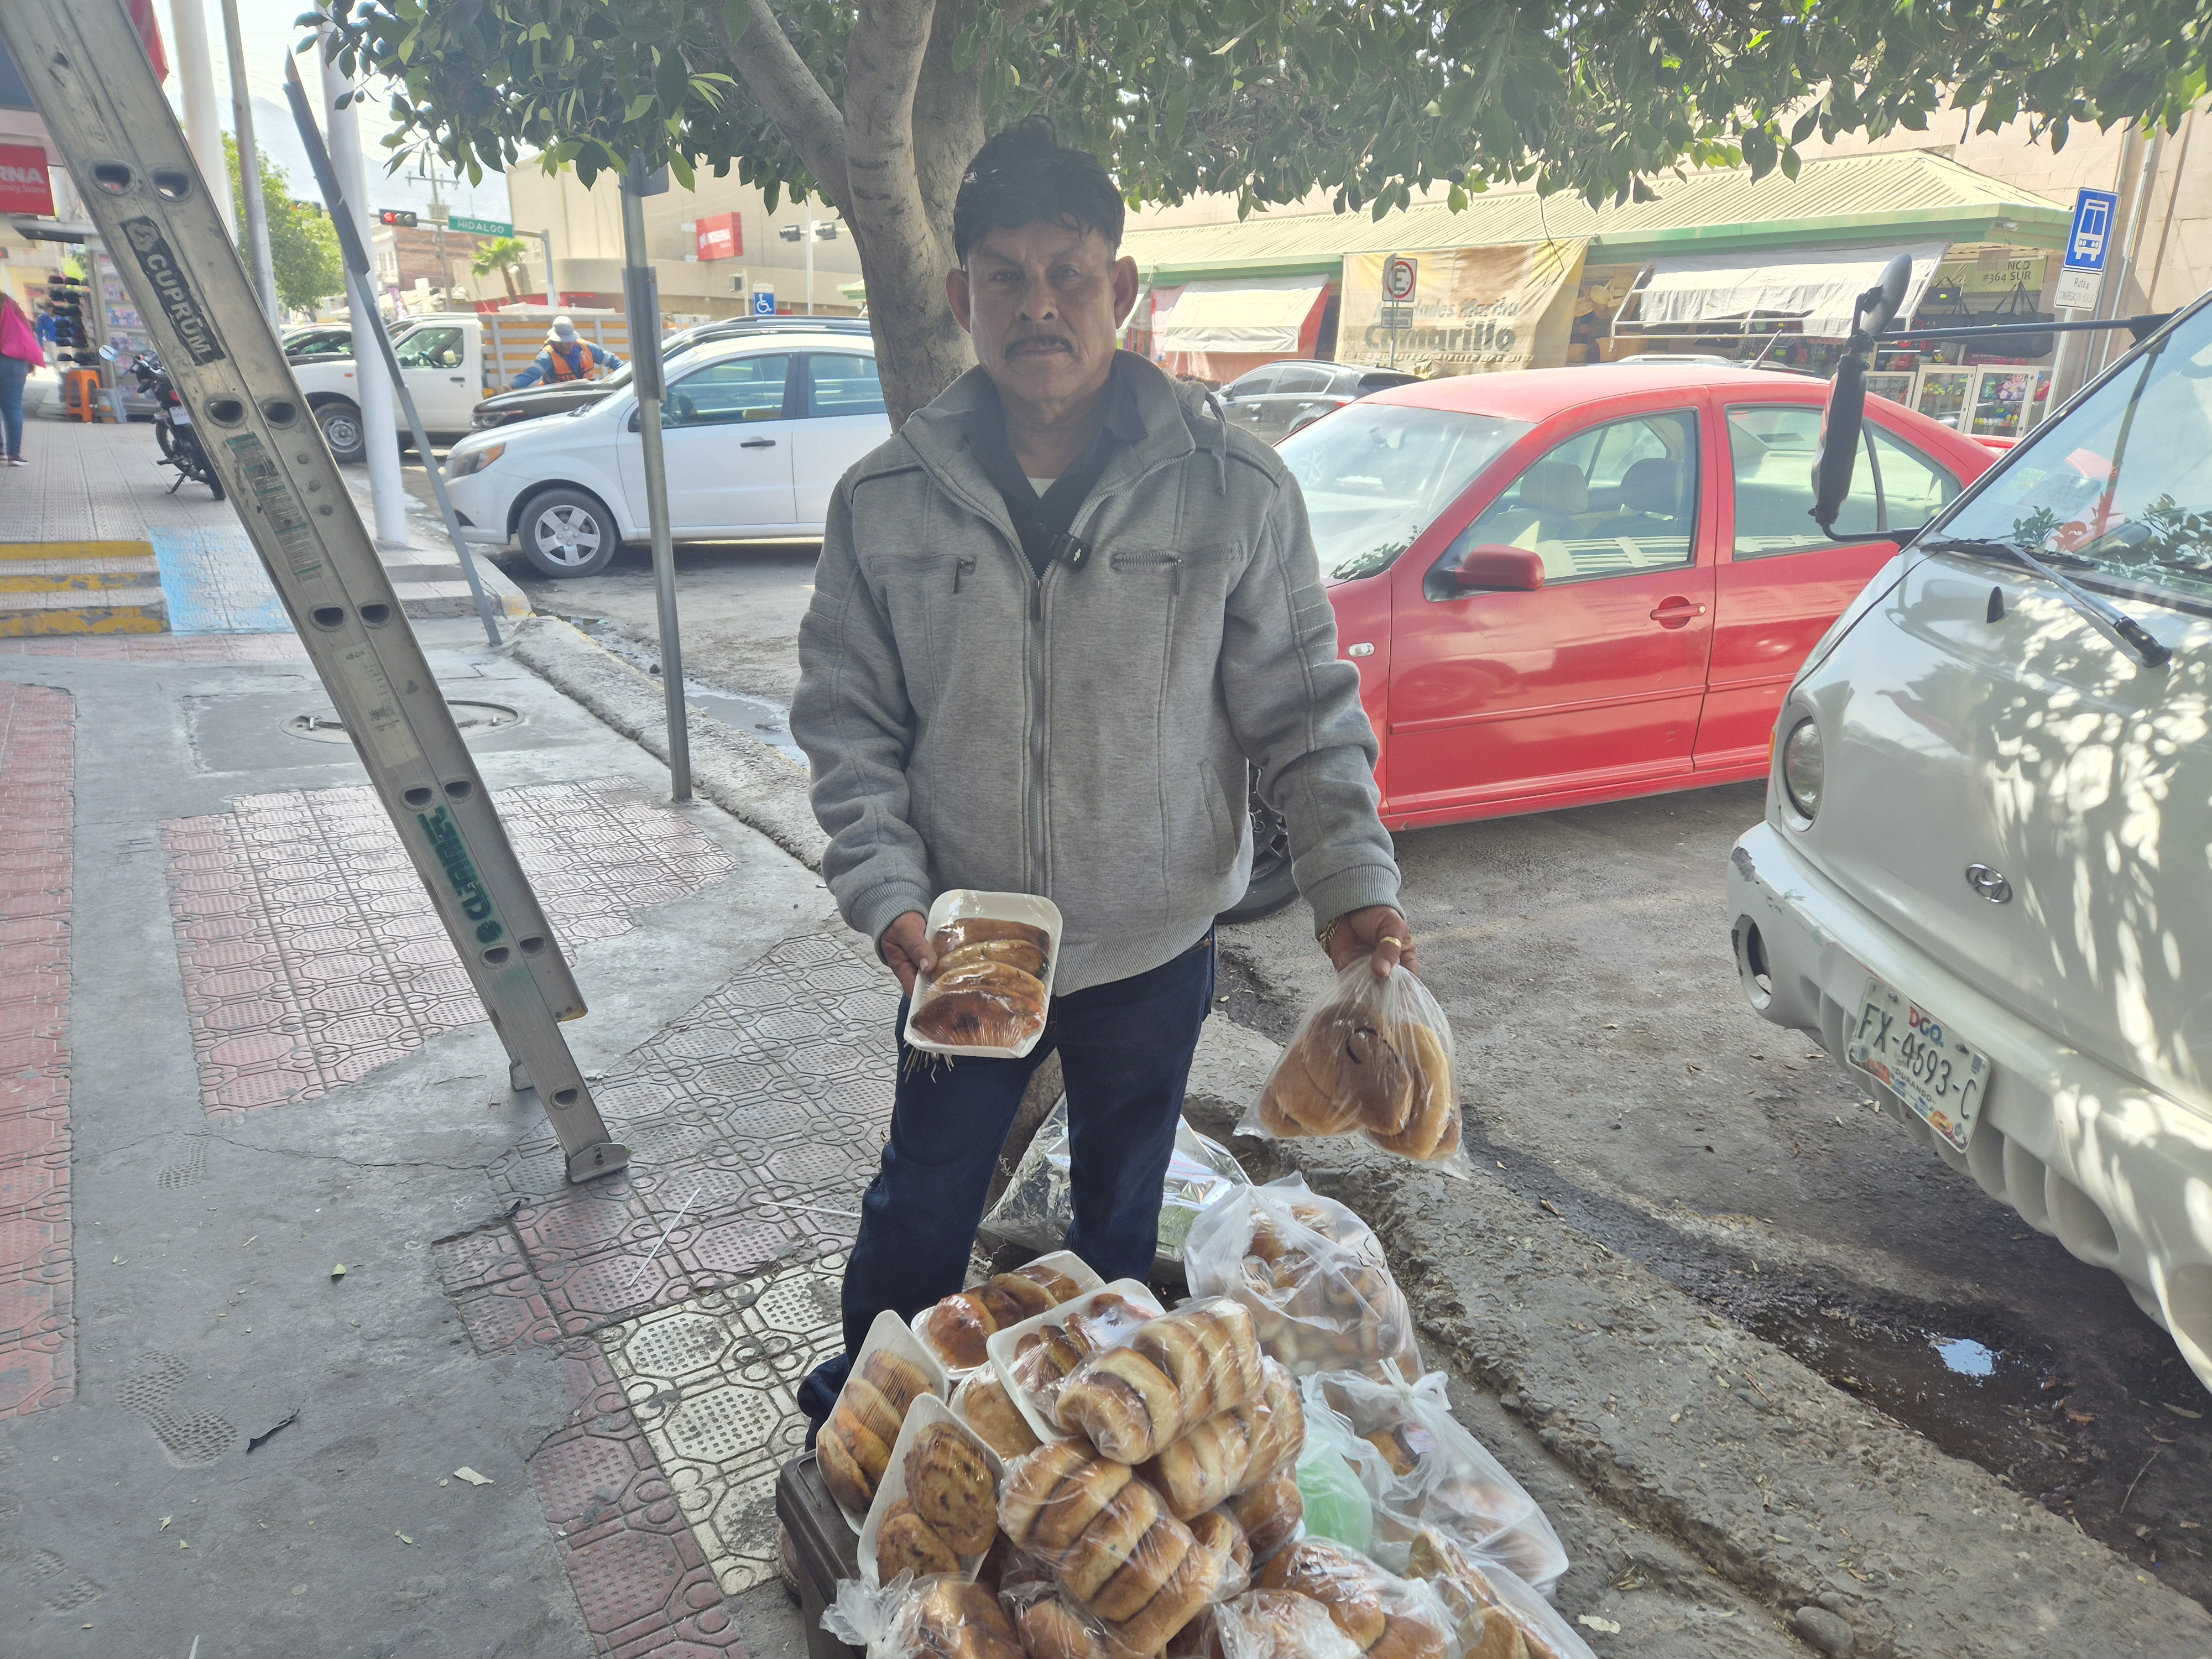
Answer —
567 357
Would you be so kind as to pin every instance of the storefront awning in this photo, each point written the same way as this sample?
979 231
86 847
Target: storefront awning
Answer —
1815 288
1265 315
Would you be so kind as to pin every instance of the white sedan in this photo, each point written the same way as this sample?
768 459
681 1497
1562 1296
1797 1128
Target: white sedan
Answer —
756 432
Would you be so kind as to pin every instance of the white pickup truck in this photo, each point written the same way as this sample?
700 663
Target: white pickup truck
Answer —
452 361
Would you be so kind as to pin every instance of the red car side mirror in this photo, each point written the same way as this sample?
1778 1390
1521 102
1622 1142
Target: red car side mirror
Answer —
1490 567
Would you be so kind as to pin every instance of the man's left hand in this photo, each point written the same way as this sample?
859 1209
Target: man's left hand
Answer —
1380 933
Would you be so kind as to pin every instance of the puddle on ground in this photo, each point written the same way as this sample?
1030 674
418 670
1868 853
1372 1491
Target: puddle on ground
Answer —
757 717
1964 1355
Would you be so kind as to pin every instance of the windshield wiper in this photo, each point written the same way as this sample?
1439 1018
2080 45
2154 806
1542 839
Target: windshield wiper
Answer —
2131 633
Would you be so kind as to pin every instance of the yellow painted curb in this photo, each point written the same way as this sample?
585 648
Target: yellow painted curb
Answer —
76 550
95 619
82 582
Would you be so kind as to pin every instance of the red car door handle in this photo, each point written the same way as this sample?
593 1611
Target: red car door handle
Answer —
1675 611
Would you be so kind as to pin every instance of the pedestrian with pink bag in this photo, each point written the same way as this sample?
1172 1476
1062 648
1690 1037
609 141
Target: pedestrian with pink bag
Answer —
19 353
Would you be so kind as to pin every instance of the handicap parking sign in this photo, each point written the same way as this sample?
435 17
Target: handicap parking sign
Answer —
763 302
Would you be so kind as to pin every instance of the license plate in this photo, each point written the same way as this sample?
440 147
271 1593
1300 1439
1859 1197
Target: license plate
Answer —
179 417
1920 1059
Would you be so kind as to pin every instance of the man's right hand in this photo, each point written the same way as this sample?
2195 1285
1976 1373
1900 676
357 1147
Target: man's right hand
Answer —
905 950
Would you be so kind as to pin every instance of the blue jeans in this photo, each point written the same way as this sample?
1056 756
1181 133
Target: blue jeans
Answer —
13 371
1125 1052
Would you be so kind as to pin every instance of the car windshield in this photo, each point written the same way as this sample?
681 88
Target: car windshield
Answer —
2119 491
1375 475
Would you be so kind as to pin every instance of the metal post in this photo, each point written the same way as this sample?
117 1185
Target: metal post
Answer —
809 267
2136 211
642 296
360 273
249 166
552 294
195 80
371 379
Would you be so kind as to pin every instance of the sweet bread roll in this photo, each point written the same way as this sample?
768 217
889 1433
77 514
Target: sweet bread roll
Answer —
1174 1372
906 1542
1152 1561
1014 953
983 1404
1343 1070
1217 1533
1490 1625
976 930
1113 1539
901 1381
848 1483
1276 1425
951 1486
1432 1125
1050 1629
1203 1468
1175 1603
954 1620
1270 1513
1059 1287
1350 1586
957 1328
1053 1494
854 1445
1280 1624
1000 978
975 1018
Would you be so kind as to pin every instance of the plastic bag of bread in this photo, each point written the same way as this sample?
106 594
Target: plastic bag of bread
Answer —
991 987
936 1509
1372 1057
1429 1471
1386 1616
889 1373
1035 1359
957 1329
1270 1513
1499 1617
1232 1450
1312 1271
1115 1551
1264 1623
952 1619
1171 1374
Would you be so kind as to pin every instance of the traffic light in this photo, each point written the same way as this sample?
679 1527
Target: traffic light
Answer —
396 216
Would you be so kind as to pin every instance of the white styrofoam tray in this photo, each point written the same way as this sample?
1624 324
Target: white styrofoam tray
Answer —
960 903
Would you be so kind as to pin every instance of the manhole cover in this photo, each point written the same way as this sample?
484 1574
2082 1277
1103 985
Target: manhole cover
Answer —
472 718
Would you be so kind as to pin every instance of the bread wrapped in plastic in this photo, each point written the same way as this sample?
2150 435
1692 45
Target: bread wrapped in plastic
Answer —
1264 1623
1429 1471
854 1446
1231 1451
1312 1274
1047 1351
1269 1512
955 1329
1112 1547
1132 1400
947 1618
982 1403
1372 1056
1498 1616
1384 1614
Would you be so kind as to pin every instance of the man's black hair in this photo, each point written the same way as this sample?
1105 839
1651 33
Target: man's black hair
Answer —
1025 176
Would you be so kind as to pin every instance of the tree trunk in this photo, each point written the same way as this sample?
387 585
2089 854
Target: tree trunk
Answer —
890 162
507 276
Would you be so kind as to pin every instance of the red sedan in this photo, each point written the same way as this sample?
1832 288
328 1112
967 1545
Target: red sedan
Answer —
1578 585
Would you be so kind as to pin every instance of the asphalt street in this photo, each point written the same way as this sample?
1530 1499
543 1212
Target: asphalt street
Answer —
1616 1075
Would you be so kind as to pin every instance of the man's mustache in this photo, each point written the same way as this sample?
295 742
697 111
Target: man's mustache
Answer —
1046 341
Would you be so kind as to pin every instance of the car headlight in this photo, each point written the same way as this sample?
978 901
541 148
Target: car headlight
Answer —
462 462
1802 767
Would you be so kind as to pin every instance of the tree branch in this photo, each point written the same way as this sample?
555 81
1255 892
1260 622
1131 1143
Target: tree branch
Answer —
948 120
791 96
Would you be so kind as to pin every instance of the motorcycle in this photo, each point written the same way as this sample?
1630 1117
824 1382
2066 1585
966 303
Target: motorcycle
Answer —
180 440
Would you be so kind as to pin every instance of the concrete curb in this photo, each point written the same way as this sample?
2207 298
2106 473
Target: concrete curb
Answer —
1786 1486
742 776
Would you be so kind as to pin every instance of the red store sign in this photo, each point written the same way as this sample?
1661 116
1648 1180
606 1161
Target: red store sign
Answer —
24 186
720 237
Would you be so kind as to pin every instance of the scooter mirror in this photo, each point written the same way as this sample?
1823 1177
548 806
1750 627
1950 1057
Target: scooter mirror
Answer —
1896 278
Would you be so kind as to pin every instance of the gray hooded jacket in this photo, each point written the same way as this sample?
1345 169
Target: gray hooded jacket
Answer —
1085 736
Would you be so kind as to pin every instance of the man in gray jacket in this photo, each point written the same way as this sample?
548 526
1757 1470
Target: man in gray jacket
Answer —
1054 619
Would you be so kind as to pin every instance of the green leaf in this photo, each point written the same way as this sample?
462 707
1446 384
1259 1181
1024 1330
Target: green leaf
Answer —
638 106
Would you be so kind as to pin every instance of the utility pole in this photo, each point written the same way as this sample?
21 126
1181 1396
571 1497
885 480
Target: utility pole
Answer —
196 79
552 293
249 166
641 296
379 430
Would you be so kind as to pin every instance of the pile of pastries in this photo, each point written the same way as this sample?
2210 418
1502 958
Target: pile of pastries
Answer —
1121 1482
986 990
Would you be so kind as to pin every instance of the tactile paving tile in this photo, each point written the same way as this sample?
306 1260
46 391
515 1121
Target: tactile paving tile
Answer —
642 1581
712 1384
37 733
310 954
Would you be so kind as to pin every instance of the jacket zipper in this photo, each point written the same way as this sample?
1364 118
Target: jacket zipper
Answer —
961 568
